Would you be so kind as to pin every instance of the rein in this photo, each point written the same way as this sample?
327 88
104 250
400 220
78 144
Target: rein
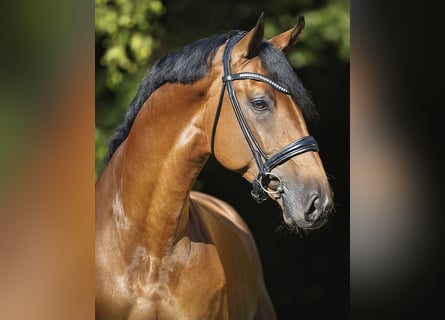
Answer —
265 163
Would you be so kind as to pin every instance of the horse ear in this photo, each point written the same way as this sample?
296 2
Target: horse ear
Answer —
250 42
286 40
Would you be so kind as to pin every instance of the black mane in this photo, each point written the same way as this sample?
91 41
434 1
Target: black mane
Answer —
280 71
190 64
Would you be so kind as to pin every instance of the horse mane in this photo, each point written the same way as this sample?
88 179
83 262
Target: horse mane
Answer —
191 63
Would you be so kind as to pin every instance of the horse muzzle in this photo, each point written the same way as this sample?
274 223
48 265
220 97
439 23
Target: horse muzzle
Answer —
305 207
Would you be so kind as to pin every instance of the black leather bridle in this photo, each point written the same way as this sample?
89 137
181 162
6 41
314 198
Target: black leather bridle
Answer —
265 163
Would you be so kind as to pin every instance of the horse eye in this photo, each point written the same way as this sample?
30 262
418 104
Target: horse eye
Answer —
260 105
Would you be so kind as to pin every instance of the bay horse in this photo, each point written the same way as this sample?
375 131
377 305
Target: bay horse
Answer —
166 252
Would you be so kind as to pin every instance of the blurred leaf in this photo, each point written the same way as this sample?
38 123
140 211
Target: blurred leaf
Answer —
123 30
326 26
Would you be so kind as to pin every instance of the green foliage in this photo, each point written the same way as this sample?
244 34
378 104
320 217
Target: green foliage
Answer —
327 26
124 28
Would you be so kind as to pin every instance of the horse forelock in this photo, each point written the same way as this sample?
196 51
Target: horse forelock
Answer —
277 66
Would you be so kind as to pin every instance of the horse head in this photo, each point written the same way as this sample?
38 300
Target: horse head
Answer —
259 129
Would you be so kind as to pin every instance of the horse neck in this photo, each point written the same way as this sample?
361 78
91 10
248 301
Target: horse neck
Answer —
155 168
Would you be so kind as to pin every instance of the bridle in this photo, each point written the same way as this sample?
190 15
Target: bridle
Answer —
260 185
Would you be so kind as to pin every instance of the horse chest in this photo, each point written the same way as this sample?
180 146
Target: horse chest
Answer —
175 287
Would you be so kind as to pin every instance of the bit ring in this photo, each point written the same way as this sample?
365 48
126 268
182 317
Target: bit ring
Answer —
271 176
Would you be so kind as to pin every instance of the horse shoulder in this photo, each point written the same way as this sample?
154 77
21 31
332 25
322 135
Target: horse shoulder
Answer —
238 255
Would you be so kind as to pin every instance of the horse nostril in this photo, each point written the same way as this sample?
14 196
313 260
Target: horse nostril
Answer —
313 209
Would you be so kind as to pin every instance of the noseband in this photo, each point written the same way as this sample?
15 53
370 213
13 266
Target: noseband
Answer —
265 163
